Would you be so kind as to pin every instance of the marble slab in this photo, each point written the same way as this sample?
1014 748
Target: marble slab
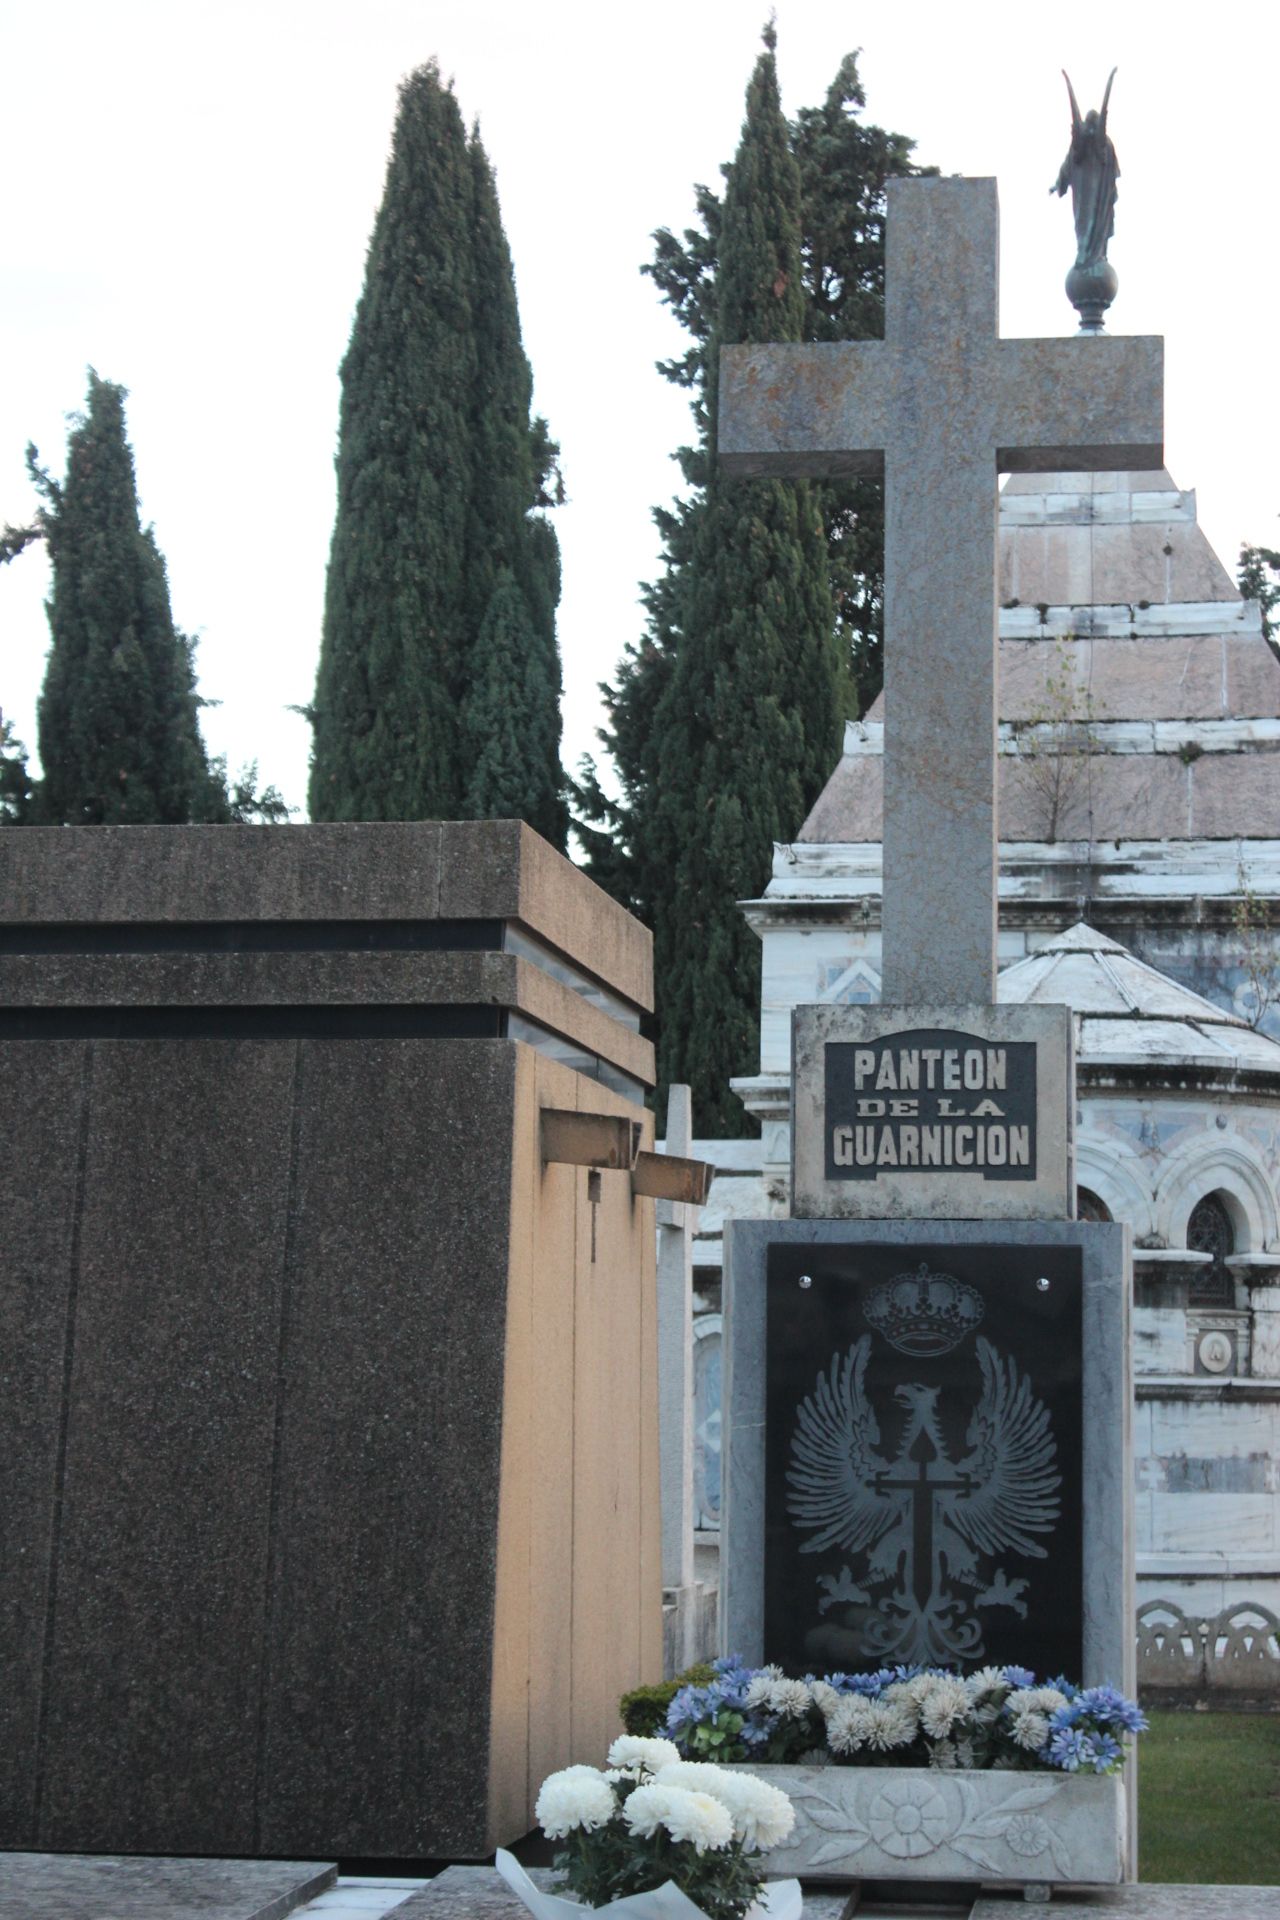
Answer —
61 1886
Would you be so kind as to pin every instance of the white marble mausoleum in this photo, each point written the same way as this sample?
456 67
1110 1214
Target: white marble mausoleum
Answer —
1139 753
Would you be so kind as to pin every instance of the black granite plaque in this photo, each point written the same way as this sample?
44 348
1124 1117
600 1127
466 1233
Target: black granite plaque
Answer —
930 1100
923 1470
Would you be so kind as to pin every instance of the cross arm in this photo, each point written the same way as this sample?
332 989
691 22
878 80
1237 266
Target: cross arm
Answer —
792 412
1080 405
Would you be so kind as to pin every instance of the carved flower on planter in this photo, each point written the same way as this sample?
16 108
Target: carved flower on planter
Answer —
1027 1835
908 1818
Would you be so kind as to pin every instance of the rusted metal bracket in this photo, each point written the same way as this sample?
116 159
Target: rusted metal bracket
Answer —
589 1139
669 1176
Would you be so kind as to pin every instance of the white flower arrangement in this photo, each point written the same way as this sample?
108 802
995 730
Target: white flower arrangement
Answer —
652 1834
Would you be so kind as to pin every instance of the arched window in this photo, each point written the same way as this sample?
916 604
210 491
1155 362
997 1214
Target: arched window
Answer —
1209 1230
1089 1206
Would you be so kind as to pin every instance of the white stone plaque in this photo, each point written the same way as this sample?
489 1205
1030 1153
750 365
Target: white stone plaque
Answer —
932 1113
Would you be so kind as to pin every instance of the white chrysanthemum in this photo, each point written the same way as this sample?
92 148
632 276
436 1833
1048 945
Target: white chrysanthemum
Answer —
575 1797
946 1703
1030 1730
647 1808
1048 1699
791 1698
919 1689
632 1750
825 1696
1044 1700
986 1680
893 1723
699 1818
966 1755
943 1756
848 1723
697 1776
761 1815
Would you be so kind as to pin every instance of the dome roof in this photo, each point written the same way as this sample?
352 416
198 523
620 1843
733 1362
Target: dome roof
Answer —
1128 1014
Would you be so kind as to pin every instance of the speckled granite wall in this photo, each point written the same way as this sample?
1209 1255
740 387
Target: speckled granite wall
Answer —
328 1452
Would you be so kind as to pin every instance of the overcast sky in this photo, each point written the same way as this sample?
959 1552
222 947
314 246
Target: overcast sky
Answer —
190 187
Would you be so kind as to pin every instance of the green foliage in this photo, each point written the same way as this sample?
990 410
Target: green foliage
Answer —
442 478
243 801
17 794
1259 579
1225 1766
118 713
763 629
644 1709
749 724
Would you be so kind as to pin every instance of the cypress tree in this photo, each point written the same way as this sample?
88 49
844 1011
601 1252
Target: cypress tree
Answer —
514 554
439 472
843 165
117 717
749 722
385 744
505 713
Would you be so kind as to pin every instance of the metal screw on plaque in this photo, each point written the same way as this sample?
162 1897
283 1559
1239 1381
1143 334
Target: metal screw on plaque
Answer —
1042 1285
806 1279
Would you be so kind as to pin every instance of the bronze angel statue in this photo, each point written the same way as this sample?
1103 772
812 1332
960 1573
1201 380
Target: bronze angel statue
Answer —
916 1521
1091 170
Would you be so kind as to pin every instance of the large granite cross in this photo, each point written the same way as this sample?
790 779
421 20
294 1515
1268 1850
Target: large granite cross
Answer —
937 408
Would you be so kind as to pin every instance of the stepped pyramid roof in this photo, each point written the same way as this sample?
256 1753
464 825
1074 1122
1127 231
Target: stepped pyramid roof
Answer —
1130 1015
1122 635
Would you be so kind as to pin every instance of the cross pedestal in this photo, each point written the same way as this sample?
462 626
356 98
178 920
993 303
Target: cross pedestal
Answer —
938 409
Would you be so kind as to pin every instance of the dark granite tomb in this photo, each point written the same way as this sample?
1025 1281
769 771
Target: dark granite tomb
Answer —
923 1457
328 1439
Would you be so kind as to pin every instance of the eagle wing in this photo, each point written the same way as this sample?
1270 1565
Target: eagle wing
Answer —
834 1460
1011 1464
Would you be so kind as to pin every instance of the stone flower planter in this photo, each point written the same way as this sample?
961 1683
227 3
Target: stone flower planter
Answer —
918 1823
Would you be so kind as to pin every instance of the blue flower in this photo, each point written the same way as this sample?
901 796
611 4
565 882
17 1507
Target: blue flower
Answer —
1019 1677
1110 1708
1104 1752
1069 1749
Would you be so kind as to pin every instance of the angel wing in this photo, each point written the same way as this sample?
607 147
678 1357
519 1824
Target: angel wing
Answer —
1011 1464
834 1461
1076 120
1106 99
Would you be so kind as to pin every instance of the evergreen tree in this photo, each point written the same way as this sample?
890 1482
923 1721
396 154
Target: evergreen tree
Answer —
17 794
514 554
117 718
1258 575
440 474
748 724
842 166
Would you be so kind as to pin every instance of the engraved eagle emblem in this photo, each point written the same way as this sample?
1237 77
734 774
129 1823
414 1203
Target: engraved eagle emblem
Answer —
924 1531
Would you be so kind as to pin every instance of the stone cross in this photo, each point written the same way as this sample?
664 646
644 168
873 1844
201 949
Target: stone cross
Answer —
937 409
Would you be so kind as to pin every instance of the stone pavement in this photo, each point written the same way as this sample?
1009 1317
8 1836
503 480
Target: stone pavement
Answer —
478 1893
1145 1901
67 1886
37 1886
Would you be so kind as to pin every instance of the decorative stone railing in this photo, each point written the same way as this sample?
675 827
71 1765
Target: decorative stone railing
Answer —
1235 1652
